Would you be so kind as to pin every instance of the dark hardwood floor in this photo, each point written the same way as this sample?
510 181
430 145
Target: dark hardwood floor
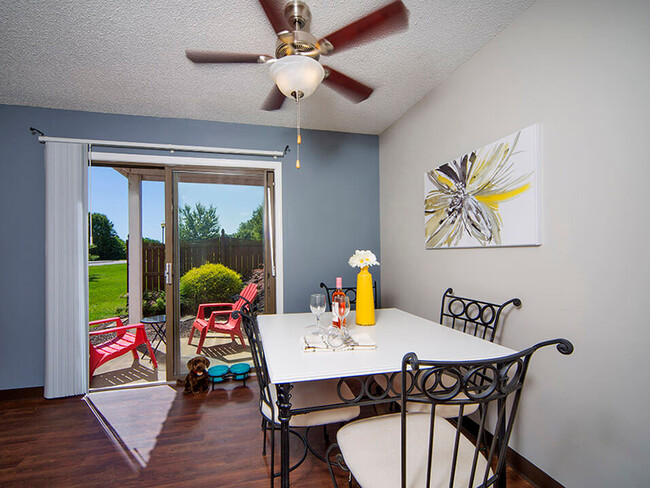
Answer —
206 440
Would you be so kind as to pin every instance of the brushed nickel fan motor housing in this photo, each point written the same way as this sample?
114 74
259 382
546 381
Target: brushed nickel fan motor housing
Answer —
299 41
298 15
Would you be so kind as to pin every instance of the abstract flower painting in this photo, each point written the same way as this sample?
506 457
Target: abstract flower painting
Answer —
488 197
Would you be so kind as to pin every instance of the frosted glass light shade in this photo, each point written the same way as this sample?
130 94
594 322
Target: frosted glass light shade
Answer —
296 73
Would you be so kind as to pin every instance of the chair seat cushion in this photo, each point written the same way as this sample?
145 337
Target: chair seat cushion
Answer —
372 450
311 393
445 411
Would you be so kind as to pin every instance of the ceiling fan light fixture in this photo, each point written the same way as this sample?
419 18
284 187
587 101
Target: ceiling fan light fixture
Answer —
297 75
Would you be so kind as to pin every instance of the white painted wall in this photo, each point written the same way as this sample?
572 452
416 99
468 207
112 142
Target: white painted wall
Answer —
581 69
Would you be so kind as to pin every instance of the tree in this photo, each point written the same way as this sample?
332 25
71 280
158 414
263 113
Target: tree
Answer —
106 243
198 223
253 228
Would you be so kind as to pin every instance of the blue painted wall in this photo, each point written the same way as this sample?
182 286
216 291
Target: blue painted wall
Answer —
330 208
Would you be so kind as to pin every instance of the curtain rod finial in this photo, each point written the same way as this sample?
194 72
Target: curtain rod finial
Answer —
35 131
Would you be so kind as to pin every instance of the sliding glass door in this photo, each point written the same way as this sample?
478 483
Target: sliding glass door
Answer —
219 239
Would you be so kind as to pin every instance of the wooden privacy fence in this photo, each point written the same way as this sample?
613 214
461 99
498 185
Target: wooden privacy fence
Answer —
240 255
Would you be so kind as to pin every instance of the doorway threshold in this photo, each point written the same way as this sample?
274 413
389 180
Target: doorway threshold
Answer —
132 386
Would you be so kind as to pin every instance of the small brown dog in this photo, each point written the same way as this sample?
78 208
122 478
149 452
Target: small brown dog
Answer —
197 380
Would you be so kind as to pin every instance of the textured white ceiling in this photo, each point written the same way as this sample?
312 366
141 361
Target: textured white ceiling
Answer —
128 57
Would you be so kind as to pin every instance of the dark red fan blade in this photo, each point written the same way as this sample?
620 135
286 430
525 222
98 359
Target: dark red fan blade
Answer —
387 20
348 87
275 13
274 100
199 56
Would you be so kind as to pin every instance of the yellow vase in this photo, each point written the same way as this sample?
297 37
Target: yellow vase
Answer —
365 301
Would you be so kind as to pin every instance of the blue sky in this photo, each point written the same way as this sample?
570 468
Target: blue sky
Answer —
108 195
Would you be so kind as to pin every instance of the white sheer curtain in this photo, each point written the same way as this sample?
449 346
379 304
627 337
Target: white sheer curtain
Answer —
66 269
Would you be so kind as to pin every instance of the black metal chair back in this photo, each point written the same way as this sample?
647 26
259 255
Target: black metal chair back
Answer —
472 316
251 329
494 384
351 292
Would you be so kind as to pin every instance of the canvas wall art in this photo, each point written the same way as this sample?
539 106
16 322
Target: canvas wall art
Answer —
486 198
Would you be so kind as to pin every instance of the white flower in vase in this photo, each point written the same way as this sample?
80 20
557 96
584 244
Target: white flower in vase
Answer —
361 259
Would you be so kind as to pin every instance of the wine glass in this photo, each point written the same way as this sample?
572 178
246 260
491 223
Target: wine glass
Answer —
341 309
317 306
333 337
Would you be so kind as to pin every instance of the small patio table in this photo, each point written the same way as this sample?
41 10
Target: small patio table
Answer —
159 325
396 333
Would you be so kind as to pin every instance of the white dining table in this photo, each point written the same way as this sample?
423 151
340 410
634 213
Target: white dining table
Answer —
395 333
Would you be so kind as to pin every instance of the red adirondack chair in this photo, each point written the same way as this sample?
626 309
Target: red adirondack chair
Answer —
123 343
232 326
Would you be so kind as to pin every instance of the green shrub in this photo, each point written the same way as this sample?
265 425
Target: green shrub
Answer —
209 283
153 303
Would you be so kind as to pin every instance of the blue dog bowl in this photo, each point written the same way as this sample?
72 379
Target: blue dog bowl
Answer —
240 371
218 373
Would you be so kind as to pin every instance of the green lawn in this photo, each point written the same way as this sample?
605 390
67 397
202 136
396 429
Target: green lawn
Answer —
105 286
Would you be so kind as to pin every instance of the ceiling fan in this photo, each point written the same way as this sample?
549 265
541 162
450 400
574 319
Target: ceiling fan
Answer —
295 67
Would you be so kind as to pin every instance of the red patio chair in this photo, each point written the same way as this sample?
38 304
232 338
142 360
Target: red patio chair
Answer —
123 343
232 326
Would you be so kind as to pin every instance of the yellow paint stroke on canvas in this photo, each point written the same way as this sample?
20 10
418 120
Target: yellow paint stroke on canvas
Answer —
502 197
444 181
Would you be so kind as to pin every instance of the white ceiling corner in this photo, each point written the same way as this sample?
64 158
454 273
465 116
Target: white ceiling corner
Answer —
127 57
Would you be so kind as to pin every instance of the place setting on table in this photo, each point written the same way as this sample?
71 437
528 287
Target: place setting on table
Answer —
335 335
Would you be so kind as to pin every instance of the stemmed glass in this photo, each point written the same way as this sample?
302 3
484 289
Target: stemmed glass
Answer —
341 309
317 306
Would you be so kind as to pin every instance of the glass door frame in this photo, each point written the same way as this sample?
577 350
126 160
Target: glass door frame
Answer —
172 248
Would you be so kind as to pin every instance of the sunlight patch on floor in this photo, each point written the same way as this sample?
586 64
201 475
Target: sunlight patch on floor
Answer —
133 418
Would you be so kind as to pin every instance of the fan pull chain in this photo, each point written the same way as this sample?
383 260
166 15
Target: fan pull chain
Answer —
298 138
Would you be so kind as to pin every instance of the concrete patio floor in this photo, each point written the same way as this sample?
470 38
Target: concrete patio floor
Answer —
125 370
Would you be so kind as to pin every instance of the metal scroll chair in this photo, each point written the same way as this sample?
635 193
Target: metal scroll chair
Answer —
303 395
350 291
472 316
476 317
423 449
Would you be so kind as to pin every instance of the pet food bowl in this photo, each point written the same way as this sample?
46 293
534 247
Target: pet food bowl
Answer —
240 371
218 373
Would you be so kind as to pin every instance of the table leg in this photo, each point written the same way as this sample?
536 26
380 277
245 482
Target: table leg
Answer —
284 405
160 334
159 337
153 340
